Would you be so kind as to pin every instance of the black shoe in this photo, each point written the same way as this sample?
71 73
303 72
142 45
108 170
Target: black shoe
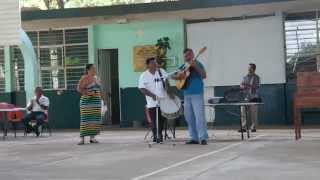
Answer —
159 141
253 130
36 130
204 142
37 133
28 130
192 142
243 130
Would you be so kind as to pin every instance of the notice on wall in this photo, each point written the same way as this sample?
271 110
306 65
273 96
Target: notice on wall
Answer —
140 54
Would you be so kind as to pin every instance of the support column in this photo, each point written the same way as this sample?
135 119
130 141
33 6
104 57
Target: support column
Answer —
318 63
8 70
91 44
31 72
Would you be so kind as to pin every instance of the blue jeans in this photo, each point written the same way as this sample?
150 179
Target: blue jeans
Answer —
38 116
194 115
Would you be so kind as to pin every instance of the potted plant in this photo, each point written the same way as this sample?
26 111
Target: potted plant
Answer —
163 45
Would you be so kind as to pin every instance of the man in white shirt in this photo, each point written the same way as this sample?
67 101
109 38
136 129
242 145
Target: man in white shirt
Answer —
152 84
38 106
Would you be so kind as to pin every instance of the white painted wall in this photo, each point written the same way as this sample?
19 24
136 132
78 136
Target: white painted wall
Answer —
209 112
232 45
10 22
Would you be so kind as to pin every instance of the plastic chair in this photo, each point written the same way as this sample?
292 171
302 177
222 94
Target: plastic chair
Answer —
46 124
4 116
15 118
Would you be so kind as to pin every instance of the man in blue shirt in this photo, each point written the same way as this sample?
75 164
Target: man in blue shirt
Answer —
193 99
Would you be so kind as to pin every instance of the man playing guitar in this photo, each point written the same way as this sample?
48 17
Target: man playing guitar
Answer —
193 98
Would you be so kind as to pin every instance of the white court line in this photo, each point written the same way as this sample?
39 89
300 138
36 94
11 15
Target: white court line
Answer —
193 159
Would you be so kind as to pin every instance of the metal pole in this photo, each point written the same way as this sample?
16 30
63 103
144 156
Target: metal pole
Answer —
298 53
318 41
157 121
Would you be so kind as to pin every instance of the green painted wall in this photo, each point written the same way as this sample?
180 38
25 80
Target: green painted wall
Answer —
64 108
125 36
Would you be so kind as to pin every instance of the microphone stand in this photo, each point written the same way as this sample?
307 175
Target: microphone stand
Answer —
157 119
157 115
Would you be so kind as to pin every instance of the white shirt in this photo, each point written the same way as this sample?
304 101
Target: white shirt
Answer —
153 83
43 100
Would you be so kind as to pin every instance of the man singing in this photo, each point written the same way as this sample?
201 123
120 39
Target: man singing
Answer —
152 84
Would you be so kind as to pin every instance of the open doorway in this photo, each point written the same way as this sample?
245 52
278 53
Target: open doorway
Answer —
108 71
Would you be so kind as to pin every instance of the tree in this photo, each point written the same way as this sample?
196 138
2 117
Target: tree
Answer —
45 4
163 45
304 60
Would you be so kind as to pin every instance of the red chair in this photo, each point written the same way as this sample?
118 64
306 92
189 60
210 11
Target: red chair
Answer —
15 118
10 116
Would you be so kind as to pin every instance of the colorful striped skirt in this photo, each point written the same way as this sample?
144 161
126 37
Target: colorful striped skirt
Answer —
90 112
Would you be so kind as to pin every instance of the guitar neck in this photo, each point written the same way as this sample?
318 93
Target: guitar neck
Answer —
187 65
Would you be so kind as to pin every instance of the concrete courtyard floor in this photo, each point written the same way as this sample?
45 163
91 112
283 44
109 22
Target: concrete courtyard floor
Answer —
269 155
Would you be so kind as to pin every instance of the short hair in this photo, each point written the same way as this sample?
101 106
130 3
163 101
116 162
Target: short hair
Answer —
38 88
187 50
88 67
148 61
253 66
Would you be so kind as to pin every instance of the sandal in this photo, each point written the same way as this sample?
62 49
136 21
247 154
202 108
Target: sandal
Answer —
81 143
94 141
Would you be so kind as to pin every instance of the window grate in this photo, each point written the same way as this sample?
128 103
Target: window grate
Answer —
302 45
18 68
73 76
2 71
301 38
51 37
62 56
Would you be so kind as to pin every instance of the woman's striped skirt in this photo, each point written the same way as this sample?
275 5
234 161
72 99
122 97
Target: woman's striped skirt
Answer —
90 112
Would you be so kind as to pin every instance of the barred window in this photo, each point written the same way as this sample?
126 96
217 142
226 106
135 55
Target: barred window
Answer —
302 44
18 68
62 56
300 35
2 71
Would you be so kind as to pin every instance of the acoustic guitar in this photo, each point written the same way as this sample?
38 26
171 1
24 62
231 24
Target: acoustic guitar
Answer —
181 83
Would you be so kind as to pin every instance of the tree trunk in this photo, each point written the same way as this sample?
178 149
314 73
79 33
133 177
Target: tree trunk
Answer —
47 3
61 3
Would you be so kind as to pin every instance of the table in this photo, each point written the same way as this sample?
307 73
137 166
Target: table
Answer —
246 106
5 118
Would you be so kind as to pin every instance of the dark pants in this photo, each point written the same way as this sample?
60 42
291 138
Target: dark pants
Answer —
153 115
38 116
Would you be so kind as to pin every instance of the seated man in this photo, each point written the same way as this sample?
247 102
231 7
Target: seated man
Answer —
38 105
